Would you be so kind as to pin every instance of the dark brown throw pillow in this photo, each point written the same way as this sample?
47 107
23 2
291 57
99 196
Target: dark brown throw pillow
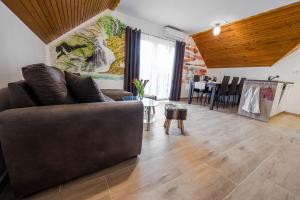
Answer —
21 95
48 84
84 89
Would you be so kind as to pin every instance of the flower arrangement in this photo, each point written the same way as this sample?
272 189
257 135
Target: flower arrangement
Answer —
140 87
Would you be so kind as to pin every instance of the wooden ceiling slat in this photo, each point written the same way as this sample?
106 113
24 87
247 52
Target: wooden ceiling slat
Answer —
87 6
40 15
256 41
87 3
69 16
61 14
76 12
98 6
71 11
27 18
49 19
82 6
50 16
64 13
93 11
39 22
58 19
114 4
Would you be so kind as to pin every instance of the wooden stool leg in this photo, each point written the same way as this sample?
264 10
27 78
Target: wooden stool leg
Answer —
182 127
165 124
168 126
178 123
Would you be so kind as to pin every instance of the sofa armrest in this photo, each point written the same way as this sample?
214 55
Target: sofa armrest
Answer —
46 146
116 94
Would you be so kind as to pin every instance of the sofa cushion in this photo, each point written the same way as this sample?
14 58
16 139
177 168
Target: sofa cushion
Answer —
116 94
48 84
83 89
21 95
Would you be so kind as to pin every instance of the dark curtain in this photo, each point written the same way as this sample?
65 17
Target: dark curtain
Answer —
132 58
177 71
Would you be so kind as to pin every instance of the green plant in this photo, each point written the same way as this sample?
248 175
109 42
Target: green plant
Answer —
140 87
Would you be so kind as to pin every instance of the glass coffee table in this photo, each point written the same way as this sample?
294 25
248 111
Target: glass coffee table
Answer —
149 104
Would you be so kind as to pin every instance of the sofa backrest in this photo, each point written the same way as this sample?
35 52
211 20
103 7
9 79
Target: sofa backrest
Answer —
4 105
4 99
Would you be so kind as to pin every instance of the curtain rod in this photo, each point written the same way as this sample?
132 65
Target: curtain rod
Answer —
172 40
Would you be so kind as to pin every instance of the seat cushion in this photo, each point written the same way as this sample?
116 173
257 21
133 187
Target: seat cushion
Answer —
116 94
48 84
21 95
177 112
83 89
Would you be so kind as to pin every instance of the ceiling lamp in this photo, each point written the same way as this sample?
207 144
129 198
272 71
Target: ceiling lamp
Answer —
217 29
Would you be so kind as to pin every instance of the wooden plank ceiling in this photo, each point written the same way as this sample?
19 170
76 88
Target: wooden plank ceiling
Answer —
50 19
260 40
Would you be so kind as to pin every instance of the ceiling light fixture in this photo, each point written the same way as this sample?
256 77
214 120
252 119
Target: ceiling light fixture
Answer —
217 29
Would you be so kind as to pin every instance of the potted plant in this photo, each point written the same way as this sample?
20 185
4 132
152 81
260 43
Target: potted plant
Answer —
140 87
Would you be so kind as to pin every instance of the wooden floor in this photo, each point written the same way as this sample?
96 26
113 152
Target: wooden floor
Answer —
223 156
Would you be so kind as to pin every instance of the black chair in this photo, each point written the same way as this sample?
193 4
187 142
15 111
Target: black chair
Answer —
202 93
206 78
206 94
232 91
222 92
240 90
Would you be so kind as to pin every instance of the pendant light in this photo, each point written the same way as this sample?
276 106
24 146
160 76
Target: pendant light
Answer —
217 29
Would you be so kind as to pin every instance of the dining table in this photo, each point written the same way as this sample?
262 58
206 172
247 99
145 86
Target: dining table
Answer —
212 85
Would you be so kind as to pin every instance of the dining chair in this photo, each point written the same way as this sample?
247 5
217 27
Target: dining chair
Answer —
196 90
222 92
240 90
206 94
232 91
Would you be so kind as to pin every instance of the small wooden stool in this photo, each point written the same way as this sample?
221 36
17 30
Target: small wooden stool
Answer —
175 112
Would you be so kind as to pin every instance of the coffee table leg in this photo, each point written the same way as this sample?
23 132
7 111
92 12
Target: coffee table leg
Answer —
148 118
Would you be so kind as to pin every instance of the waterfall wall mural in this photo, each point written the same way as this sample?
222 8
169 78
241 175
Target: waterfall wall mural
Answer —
97 50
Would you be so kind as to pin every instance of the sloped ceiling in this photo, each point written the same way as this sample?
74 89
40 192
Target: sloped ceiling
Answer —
49 19
260 40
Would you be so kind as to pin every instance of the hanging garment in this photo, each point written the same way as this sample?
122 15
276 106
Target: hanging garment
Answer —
267 93
248 96
252 98
255 101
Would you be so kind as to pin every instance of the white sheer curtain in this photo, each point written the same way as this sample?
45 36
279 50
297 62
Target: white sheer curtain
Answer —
156 65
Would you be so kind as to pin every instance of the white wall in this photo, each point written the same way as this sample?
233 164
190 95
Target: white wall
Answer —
19 47
287 68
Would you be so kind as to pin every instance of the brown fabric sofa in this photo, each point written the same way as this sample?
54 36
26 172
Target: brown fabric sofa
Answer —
48 145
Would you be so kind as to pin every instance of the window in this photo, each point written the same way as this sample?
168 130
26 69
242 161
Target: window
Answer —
156 65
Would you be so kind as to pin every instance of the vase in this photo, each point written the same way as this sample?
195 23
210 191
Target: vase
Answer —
140 97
